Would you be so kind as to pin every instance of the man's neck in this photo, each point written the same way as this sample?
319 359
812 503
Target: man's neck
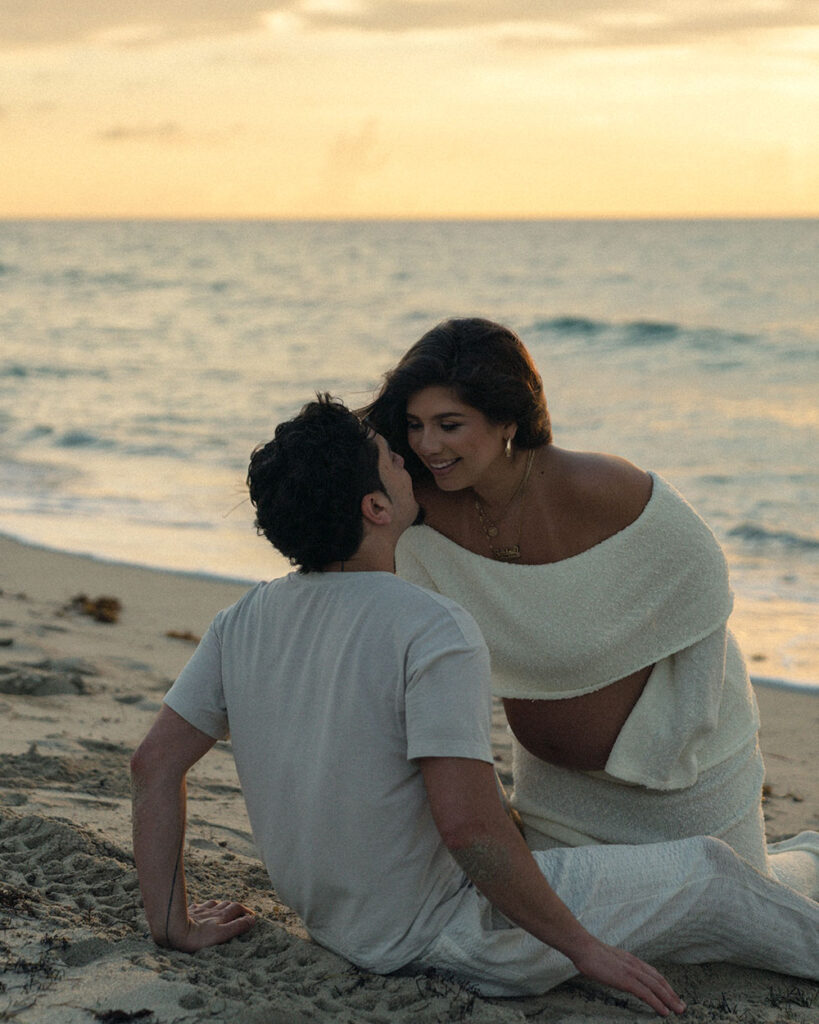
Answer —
348 567
368 558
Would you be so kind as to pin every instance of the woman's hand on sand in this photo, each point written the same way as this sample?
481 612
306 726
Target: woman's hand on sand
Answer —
212 923
619 969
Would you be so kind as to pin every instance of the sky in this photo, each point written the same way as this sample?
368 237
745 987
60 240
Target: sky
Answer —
409 108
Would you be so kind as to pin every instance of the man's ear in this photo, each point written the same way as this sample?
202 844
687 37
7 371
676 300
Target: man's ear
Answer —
377 508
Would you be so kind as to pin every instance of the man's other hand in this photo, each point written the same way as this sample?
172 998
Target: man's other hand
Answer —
212 923
624 971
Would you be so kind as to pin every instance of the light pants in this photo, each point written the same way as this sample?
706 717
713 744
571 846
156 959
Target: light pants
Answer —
688 901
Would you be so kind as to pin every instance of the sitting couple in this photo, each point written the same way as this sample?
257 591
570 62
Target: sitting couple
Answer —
359 710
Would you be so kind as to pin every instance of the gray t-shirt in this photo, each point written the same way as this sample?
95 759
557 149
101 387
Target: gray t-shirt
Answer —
331 685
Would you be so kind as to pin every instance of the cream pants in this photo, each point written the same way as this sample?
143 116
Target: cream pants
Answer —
687 901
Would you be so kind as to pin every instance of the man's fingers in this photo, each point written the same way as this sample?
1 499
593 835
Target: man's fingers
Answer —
217 908
660 1004
653 989
231 911
630 974
238 926
196 907
214 922
663 989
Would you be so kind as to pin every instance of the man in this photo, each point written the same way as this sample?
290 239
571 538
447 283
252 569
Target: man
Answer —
359 713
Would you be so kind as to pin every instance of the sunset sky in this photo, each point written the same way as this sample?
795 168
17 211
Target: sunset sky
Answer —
409 108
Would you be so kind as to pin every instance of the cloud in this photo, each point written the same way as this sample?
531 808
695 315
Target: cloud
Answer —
568 22
26 23
168 131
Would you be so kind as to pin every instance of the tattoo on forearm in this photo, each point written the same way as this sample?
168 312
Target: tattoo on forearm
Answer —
173 887
484 862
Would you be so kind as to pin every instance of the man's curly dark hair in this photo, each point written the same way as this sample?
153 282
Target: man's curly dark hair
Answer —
307 484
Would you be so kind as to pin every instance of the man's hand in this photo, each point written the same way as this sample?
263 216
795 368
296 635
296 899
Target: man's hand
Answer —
212 923
619 969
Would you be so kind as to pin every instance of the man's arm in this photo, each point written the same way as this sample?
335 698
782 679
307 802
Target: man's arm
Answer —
158 770
491 851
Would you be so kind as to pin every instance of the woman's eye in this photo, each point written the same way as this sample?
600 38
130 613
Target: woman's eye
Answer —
413 426
449 426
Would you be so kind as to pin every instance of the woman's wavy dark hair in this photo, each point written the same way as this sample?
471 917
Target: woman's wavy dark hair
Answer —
307 484
484 363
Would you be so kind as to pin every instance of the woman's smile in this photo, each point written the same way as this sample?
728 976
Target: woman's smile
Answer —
439 467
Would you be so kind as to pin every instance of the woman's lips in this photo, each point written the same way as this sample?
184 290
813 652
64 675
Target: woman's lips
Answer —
442 468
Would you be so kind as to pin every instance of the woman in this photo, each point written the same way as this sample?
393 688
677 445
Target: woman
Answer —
604 600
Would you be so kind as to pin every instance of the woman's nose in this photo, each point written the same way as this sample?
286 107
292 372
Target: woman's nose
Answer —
427 442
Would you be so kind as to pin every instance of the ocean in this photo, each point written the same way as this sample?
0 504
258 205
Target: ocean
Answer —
140 363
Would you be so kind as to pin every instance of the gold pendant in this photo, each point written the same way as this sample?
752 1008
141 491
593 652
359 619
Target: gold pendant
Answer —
510 554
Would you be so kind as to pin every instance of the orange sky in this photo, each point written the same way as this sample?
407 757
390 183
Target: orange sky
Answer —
409 108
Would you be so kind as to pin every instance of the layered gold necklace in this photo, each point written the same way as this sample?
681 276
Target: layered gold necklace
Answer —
511 553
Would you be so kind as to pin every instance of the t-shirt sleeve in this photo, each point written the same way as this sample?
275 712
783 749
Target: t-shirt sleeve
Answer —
197 695
448 702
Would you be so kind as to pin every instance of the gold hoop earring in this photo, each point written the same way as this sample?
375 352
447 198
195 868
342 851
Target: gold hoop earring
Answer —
507 451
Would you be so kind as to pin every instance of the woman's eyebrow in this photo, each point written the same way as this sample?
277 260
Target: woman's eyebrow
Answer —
438 416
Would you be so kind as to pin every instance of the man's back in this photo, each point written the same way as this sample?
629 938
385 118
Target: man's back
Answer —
332 684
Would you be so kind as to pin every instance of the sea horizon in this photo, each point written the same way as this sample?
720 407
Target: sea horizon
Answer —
623 218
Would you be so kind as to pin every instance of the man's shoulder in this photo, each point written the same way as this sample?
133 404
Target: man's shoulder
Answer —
254 593
247 604
436 609
409 609
388 601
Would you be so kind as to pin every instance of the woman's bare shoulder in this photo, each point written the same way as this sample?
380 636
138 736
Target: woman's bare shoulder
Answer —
606 485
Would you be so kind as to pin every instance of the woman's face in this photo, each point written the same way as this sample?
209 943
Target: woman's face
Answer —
455 441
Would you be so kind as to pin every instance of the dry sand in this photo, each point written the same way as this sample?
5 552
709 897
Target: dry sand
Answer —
77 694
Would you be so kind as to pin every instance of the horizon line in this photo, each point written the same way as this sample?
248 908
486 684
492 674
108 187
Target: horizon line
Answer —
395 218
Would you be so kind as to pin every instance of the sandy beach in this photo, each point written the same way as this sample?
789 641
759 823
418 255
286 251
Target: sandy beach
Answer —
77 693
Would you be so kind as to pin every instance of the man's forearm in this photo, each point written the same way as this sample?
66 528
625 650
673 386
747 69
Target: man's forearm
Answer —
158 835
500 864
492 852
158 771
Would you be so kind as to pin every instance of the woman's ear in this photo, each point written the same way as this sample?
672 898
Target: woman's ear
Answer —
376 508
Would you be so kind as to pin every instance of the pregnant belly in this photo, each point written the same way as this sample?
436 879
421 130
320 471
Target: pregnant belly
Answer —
577 732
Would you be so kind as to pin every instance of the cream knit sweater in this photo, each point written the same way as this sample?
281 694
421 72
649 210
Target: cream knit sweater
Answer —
655 593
